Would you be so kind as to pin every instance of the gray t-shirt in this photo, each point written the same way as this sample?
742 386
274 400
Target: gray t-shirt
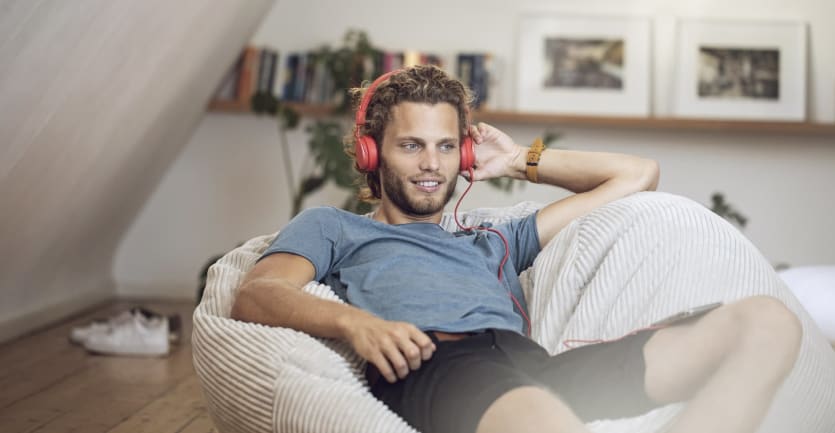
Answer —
416 272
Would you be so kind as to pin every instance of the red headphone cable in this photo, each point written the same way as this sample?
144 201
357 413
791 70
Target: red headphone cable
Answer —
504 241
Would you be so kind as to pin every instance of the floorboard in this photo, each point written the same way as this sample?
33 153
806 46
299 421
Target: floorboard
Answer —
51 385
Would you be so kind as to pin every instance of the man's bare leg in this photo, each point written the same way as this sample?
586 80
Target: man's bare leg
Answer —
729 364
529 409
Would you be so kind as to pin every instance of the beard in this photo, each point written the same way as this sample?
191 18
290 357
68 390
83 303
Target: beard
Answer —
417 204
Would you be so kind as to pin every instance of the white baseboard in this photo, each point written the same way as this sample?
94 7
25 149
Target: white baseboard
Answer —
28 322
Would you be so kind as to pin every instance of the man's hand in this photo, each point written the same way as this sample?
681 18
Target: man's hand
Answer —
496 153
394 348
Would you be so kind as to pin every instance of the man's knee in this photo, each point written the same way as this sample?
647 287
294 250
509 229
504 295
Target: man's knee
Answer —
767 325
528 408
758 327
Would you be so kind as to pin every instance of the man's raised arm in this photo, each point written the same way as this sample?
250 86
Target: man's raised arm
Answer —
597 178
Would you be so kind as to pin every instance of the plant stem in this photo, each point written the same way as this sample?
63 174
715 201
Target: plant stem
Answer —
288 166
297 204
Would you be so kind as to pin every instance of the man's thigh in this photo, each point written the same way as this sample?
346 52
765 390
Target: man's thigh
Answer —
451 391
597 381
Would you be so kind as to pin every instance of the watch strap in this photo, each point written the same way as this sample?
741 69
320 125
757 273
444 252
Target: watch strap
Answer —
534 153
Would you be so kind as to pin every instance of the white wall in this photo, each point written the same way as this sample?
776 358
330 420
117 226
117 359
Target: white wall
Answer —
228 184
97 98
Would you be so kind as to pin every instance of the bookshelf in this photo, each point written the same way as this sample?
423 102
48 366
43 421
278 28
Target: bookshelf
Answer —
256 70
640 123
230 106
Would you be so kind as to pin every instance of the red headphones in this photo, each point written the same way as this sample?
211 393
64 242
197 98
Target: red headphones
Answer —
366 147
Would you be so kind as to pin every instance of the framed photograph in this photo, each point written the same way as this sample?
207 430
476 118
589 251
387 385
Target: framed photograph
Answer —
740 70
586 65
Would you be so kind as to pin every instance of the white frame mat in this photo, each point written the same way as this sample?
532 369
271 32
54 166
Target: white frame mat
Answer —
789 38
633 99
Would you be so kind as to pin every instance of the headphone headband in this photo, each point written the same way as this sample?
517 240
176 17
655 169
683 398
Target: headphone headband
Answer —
366 148
366 97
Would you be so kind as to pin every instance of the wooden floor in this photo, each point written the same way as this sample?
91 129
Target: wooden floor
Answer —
50 385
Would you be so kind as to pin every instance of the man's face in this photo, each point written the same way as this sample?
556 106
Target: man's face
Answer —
420 158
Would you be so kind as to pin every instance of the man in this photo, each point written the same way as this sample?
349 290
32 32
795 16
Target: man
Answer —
432 313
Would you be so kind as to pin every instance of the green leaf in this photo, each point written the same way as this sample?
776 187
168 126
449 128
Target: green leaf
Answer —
288 117
505 184
550 137
312 183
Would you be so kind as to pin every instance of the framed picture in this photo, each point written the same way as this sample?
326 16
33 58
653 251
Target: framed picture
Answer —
587 65
741 70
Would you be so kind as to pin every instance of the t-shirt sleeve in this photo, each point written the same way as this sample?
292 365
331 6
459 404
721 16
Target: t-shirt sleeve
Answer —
523 240
313 234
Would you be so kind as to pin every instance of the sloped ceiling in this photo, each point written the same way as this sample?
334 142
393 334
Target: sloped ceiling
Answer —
97 98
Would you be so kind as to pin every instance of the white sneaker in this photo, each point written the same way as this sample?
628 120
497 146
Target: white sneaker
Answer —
139 336
79 334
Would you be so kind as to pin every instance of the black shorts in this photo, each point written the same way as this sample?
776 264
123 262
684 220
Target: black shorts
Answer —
451 391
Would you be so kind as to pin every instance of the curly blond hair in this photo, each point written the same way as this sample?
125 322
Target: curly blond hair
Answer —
423 84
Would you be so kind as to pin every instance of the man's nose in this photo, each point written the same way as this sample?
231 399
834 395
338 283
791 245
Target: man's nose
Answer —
430 159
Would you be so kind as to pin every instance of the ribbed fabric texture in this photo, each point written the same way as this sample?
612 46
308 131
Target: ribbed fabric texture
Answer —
619 268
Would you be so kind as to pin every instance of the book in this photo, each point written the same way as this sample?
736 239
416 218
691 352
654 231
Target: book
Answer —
300 78
290 68
246 83
473 70
266 70
479 80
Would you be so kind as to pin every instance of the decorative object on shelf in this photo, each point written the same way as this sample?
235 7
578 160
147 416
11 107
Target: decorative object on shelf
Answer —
593 65
741 70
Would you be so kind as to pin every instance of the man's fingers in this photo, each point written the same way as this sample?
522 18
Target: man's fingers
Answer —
475 134
424 343
411 352
397 350
383 367
397 360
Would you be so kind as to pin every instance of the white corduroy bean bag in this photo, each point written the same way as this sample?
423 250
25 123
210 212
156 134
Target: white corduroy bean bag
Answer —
619 268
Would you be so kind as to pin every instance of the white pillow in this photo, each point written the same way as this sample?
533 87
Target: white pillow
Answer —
814 287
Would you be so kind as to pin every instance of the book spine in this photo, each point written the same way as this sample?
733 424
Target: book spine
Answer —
246 83
301 74
272 71
464 70
491 70
290 77
411 58
263 74
266 70
388 61
309 78
479 80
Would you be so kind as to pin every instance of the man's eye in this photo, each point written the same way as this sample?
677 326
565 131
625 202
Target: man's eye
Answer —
447 147
410 146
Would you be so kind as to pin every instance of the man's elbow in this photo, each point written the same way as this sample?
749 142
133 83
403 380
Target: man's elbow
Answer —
241 306
650 173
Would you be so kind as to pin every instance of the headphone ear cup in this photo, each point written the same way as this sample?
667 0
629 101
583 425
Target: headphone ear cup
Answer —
467 153
366 150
